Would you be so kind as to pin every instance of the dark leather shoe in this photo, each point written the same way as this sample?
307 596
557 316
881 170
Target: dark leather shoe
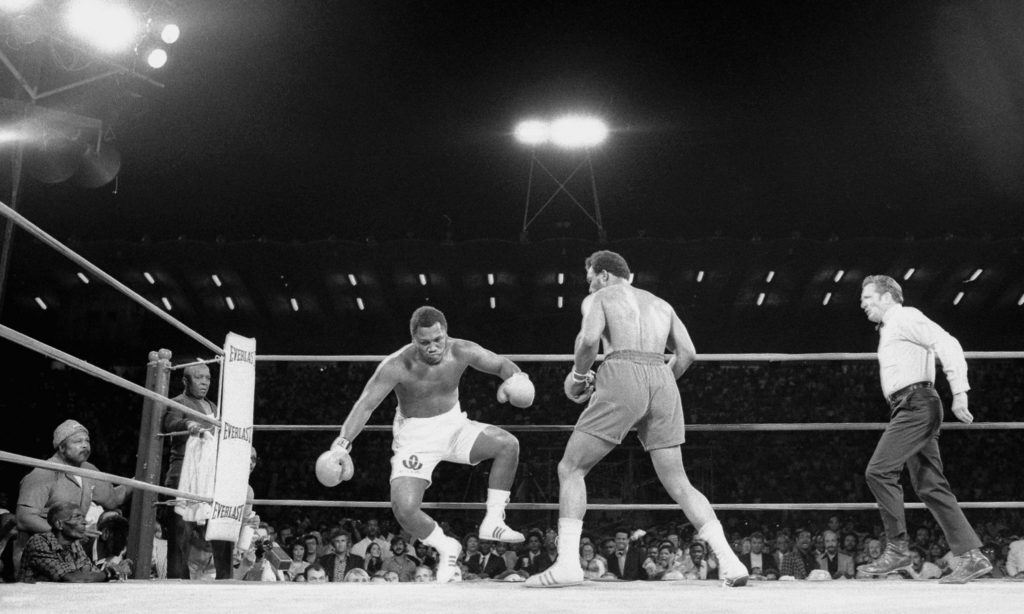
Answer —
969 566
896 555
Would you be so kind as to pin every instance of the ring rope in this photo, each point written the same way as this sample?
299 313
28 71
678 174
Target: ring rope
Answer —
739 507
100 475
748 427
768 357
51 352
208 361
43 236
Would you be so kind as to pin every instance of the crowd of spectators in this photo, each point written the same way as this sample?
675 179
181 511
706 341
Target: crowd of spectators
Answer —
752 467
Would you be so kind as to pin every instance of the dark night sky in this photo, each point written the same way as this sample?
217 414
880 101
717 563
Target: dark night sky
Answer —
301 119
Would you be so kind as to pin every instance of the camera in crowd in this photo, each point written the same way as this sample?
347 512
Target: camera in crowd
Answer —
266 548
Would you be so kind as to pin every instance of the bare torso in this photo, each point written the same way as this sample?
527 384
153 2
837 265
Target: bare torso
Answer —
634 319
425 390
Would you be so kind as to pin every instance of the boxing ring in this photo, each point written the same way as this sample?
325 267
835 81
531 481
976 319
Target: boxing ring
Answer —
493 596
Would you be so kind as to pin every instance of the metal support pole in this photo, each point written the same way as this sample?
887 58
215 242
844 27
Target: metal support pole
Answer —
147 465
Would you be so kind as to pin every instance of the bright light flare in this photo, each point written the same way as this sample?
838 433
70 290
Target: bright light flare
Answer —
577 132
15 6
170 33
156 58
532 132
108 26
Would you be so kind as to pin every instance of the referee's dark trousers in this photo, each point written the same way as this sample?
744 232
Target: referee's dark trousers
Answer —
912 439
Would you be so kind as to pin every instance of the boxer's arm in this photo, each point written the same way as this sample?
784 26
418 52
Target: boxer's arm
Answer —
379 386
588 341
681 345
482 359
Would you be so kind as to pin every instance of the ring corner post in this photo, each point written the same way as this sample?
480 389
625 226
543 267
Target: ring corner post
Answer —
148 465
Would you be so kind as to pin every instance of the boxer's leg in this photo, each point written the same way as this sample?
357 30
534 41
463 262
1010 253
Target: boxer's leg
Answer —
503 447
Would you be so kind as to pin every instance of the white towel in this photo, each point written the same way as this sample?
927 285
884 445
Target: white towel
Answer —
198 471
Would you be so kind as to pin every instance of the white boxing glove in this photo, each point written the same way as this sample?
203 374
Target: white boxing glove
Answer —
335 465
579 389
517 390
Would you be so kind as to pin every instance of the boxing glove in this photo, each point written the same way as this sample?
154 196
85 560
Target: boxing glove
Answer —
517 390
335 465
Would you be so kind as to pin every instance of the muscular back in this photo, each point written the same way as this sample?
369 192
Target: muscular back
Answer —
634 319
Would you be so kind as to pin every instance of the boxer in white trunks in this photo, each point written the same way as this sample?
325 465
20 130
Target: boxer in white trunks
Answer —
430 427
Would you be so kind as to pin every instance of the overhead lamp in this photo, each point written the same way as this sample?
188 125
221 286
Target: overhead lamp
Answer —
828 297
839 275
82 276
230 303
760 299
360 304
959 297
166 302
768 279
490 279
352 279
561 302
532 132
909 273
294 303
578 132
41 303
561 279
109 26
149 278
169 33
156 57
423 279
977 273
700 276
1020 301
494 303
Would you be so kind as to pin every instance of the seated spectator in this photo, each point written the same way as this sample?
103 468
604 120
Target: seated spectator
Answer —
919 568
427 556
759 563
423 574
801 560
390 576
58 556
41 489
699 568
111 545
471 557
1015 559
356 575
299 564
534 560
491 564
399 561
315 573
507 554
341 561
658 568
594 565
374 559
837 564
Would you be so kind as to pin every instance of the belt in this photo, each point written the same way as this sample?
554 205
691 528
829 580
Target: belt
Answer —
897 397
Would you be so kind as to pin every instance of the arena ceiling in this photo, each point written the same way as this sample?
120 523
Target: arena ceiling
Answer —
337 297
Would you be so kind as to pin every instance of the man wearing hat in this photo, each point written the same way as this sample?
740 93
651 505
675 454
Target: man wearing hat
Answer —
42 489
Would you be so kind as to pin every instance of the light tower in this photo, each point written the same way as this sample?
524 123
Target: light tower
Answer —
571 133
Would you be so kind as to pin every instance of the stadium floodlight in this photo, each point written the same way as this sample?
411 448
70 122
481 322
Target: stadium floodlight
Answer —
170 33
15 6
156 58
578 132
532 132
109 26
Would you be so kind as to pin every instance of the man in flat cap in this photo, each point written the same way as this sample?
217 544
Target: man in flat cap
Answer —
42 489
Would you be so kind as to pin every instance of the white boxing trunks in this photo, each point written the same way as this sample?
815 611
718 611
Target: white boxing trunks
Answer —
421 443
